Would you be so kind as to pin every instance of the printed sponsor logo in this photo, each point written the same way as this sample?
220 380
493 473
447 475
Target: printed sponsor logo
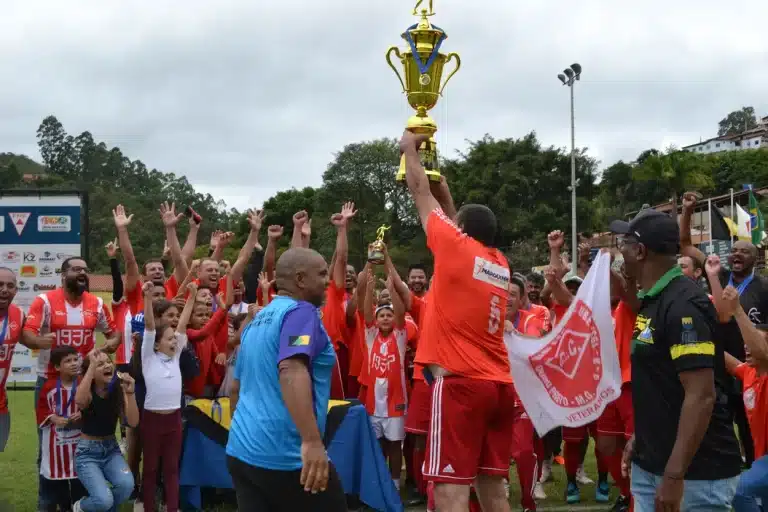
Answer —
11 257
62 256
44 287
29 257
46 271
58 271
19 221
23 287
54 223
491 273
47 256
28 271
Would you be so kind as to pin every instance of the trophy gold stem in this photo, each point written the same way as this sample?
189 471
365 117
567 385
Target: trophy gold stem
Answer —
422 123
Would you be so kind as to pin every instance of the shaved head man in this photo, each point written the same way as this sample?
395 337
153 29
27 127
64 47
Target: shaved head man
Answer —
280 397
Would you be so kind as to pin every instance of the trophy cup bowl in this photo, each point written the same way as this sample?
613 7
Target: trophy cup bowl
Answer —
423 67
376 253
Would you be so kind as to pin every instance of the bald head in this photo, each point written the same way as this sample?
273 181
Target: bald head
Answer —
303 274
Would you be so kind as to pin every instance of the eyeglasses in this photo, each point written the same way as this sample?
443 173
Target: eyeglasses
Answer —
78 270
623 241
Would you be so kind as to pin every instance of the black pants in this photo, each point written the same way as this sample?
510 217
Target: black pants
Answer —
264 490
745 436
63 493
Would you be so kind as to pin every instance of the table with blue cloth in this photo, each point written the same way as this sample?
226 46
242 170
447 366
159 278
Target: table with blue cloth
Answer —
352 447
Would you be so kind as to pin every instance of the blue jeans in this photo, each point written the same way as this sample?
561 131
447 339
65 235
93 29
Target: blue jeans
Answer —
753 486
698 495
100 464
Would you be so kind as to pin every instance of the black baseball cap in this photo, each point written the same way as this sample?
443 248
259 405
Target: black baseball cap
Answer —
654 229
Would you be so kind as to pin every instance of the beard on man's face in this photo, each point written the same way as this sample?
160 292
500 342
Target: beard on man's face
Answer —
77 284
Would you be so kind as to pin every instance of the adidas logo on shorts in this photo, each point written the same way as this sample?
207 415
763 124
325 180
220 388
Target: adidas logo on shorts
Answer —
448 469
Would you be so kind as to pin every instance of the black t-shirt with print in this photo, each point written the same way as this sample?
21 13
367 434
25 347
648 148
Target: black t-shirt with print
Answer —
754 300
675 332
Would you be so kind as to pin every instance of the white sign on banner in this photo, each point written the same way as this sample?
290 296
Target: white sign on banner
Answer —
47 231
567 377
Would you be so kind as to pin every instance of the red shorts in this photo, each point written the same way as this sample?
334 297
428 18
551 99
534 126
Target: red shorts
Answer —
522 432
618 419
578 434
471 423
417 417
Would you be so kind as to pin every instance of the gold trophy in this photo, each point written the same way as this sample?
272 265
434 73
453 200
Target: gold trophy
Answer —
423 67
376 249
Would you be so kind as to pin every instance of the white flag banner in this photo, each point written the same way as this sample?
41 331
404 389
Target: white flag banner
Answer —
569 376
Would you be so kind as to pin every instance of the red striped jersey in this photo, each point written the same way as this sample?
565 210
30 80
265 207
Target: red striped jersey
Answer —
58 444
9 337
73 324
386 372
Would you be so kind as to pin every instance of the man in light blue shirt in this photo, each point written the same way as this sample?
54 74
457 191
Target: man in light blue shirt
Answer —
280 398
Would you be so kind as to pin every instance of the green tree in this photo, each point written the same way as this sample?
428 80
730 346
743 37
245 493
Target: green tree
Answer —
737 121
675 172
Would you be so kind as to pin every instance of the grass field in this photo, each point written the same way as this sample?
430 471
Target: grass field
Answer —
18 474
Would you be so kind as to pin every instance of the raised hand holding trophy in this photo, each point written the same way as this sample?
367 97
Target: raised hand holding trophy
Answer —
423 68
376 250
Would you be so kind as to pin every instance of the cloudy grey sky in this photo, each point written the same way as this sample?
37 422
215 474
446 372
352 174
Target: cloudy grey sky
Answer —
248 97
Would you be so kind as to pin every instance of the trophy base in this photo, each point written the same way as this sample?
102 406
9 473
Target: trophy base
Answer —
428 150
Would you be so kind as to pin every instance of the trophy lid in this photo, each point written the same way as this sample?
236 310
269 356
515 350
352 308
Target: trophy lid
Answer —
424 34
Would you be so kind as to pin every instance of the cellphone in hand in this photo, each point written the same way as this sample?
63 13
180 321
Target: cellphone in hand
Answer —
189 212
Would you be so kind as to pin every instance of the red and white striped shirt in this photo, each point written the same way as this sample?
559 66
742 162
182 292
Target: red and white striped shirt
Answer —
10 333
386 370
58 444
73 324
121 312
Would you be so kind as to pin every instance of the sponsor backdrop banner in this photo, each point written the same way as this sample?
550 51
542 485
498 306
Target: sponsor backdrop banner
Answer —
568 377
37 233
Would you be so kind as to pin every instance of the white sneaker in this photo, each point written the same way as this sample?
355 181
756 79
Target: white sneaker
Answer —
76 507
138 506
538 492
546 471
582 478
123 446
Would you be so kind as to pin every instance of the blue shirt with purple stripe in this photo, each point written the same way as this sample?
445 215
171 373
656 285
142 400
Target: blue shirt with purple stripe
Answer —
262 433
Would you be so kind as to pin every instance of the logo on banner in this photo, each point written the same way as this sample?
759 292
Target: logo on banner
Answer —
570 366
47 256
19 221
23 286
44 287
54 223
11 257
29 257
28 271
46 271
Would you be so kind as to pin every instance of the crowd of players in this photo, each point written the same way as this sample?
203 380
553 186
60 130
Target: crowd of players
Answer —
424 355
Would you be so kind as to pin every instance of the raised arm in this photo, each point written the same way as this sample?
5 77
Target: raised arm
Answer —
560 292
398 286
415 177
255 219
686 245
341 222
148 342
754 338
114 270
556 241
122 221
442 194
731 363
189 307
368 301
188 251
83 395
170 220
299 219
274 233
713 268
398 307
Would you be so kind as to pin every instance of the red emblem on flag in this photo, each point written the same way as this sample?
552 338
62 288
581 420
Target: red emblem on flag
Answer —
570 366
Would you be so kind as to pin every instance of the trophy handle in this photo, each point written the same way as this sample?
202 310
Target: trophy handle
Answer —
396 51
458 65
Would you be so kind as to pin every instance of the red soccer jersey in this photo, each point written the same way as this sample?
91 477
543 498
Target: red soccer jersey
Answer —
135 297
334 314
623 328
73 324
204 343
10 333
465 337
756 404
122 316
557 313
386 372
528 324
419 310
542 313
58 444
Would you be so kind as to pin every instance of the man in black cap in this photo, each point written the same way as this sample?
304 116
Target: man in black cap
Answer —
684 454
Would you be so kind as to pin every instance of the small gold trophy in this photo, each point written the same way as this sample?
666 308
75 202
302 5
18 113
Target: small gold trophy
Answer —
423 67
376 249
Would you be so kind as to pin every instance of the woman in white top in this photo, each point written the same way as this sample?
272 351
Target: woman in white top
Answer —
161 424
